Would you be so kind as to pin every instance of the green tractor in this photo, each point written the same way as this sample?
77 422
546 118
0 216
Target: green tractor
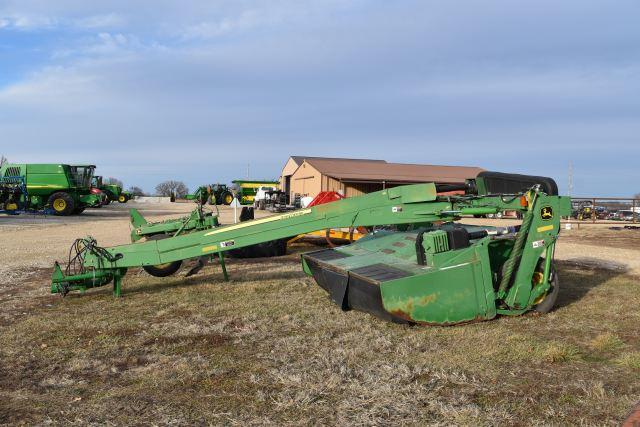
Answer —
113 191
214 194
62 189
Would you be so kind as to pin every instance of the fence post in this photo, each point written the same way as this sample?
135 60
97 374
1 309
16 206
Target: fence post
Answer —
593 211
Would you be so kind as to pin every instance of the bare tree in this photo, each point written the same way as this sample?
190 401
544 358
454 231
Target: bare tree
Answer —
136 191
114 181
3 160
637 196
172 189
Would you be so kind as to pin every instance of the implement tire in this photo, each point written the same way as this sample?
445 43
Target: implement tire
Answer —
122 198
549 301
162 270
62 204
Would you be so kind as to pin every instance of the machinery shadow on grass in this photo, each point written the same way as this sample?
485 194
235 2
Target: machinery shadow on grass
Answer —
154 285
578 277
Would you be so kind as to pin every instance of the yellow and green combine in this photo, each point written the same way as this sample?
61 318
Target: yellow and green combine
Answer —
59 189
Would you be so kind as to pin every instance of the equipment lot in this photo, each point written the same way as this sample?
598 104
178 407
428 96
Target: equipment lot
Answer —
267 347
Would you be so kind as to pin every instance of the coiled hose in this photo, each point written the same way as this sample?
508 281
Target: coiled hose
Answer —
514 258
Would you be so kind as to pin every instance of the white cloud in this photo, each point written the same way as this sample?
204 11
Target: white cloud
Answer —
109 20
204 30
433 80
27 22
103 44
33 22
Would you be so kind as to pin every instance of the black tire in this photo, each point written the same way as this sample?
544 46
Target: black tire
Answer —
273 248
107 201
123 198
261 205
78 211
162 270
62 204
549 301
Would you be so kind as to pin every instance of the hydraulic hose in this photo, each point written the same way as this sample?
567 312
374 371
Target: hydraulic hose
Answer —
510 264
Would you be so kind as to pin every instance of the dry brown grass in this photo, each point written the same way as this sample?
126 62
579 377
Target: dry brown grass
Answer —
269 348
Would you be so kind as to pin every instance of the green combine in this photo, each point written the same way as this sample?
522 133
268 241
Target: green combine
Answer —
114 192
423 267
56 188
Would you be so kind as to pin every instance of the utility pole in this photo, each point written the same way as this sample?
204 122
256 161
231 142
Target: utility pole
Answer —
570 179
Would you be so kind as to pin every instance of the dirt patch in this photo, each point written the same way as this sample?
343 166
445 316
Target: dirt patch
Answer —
600 236
22 291
597 264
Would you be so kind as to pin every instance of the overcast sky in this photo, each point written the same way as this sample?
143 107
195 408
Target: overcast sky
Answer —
158 89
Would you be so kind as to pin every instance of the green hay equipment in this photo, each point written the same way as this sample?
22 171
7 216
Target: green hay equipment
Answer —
427 269
59 189
199 219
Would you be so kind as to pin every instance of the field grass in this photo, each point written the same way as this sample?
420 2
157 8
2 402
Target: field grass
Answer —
269 348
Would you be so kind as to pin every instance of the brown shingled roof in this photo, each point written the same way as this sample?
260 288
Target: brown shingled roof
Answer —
300 159
392 172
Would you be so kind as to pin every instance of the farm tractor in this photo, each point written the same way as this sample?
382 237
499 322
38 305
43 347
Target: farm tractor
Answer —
114 192
56 188
214 194
423 267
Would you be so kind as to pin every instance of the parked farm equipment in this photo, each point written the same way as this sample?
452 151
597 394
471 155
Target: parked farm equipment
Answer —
429 270
214 194
114 192
246 190
60 189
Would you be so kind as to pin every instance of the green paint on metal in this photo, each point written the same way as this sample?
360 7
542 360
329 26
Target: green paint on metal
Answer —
34 186
430 272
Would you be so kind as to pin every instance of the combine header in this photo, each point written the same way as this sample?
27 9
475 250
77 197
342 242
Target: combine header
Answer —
428 270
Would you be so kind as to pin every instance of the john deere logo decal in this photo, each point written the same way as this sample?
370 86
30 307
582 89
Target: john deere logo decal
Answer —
546 213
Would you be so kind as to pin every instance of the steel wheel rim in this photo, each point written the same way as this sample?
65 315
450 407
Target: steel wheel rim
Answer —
59 205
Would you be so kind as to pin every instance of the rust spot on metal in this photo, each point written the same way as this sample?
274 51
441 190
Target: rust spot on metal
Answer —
413 239
633 419
402 315
427 299
388 251
399 245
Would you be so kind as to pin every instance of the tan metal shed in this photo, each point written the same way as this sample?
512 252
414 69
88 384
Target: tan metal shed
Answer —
307 176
